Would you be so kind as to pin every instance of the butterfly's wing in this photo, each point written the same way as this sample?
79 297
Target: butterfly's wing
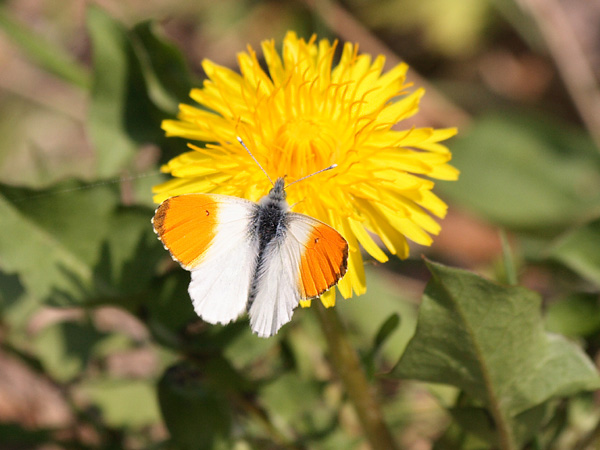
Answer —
210 235
307 261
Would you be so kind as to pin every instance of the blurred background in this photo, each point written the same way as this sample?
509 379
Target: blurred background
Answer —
88 326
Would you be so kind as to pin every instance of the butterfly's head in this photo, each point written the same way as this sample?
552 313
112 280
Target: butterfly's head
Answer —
277 192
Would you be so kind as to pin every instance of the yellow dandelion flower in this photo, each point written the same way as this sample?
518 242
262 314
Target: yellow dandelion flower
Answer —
302 116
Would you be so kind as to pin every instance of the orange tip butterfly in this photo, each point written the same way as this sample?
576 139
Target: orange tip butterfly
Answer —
243 256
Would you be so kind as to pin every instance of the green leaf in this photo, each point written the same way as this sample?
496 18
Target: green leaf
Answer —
132 250
70 245
53 236
387 328
65 348
488 340
124 403
385 331
123 274
166 71
196 414
525 425
576 315
121 115
525 172
580 251
40 50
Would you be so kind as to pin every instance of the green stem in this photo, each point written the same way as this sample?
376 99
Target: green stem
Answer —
347 365
505 434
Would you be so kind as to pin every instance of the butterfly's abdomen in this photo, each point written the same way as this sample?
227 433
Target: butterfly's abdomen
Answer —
269 224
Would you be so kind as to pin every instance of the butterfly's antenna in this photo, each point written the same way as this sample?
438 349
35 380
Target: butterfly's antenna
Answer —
333 166
257 163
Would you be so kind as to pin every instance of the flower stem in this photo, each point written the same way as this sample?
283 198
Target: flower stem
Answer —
347 365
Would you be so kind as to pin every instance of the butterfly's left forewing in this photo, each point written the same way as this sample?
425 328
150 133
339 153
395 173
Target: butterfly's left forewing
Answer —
210 235
311 258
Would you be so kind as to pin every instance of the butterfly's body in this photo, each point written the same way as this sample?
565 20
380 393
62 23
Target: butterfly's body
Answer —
269 225
246 256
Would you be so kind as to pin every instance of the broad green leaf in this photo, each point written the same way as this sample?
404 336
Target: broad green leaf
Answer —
121 115
73 244
488 340
53 236
478 421
124 402
40 50
580 251
123 273
524 172
575 315
196 414
132 251
65 348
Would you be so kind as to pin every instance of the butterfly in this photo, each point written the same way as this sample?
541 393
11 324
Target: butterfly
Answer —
260 258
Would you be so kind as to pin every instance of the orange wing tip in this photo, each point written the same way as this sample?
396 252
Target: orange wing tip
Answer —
324 262
158 220
184 232
158 225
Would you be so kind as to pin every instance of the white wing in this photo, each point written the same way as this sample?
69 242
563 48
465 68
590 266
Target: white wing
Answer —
210 235
221 281
305 263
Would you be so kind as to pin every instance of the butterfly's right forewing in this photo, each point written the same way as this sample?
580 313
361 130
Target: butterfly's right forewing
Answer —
210 235
310 259
324 259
